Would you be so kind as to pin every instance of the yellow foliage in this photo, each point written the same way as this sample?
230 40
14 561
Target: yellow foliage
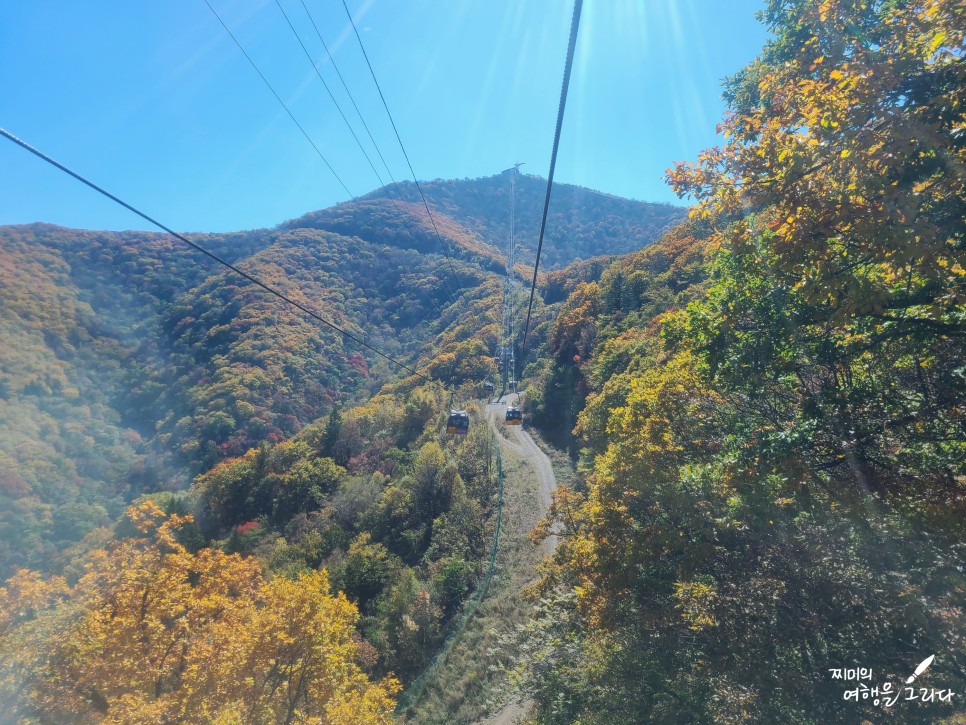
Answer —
153 633
857 183
695 602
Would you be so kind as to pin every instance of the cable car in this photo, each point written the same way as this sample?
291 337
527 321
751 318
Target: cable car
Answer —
512 385
458 423
514 416
488 388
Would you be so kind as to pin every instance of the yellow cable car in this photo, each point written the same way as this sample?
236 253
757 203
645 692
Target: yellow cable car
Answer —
514 416
458 423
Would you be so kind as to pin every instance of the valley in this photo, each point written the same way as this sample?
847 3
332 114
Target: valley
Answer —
499 449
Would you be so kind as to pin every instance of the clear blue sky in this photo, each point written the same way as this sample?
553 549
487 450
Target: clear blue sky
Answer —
153 100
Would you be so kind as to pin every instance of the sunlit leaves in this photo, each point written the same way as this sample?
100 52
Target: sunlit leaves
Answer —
762 464
153 633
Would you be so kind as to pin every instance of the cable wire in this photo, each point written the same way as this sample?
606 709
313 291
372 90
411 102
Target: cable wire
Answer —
279 99
301 128
574 24
329 91
352 100
398 138
271 290
372 166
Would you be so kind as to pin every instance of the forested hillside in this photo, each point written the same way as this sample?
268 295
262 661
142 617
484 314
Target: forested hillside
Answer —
213 509
131 363
397 515
81 316
582 223
768 405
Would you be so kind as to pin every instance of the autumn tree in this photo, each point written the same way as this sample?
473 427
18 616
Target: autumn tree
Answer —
775 471
838 203
153 633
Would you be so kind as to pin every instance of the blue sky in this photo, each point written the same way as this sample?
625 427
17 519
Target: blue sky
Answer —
153 101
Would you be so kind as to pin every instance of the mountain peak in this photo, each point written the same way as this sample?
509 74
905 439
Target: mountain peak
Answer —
474 215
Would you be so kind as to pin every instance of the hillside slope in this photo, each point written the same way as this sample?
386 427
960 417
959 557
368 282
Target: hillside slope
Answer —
128 362
582 223
771 418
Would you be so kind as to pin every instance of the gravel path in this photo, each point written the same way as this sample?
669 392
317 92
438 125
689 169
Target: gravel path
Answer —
520 442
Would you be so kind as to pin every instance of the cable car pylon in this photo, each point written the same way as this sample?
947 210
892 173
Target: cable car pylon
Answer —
514 415
507 355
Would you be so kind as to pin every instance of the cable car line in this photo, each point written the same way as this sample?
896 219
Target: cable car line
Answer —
304 133
398 138
375 145
348 125
332 97
575 23
271 290
352 100
279 99
328 90
507 354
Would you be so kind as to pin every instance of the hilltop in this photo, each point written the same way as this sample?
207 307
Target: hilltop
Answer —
582 223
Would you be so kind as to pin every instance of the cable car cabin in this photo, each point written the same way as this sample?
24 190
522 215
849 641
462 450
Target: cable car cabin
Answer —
512 386
514 416
458 423
488 388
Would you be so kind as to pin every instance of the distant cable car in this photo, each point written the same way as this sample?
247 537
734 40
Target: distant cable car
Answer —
512 385
458 423
488 388
514 416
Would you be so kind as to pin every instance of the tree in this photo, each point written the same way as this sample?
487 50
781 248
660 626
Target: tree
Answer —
433 481
407 625
153 633
365 571
305 487
839 200
333 427
778 477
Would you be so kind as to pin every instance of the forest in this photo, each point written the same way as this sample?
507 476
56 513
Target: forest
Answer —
767 404
215 511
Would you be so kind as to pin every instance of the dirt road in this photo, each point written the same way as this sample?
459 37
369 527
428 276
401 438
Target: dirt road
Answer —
520 442
471 682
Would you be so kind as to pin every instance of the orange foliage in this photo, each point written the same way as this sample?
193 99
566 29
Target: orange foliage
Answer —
153 633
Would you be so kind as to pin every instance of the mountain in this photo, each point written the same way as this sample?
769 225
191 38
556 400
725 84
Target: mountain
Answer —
582 223
130 363
131 366
768 406
762 514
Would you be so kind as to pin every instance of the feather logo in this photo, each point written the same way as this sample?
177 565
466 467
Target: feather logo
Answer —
921 668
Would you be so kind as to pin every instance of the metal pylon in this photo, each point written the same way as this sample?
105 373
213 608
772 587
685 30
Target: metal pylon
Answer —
507 356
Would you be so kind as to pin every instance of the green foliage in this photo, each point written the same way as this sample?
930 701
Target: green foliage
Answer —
775 455
365 571
608 319
407 627
129 364
583 223
401 528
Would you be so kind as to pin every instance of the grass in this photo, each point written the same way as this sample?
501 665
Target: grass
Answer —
472 682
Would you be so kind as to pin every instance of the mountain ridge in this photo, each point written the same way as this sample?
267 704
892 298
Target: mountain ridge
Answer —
170 363
481 207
